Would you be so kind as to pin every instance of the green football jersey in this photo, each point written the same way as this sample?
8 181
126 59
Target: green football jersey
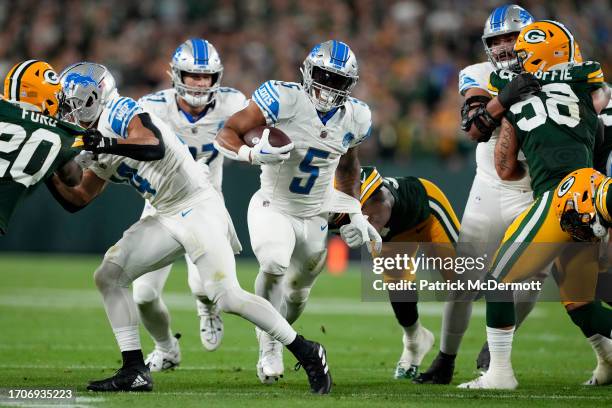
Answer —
603 150
556 126
32 147
411 206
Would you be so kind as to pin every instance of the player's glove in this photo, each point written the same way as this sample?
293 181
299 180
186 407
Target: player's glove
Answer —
85 159
264 153
93 141
360 232
521 86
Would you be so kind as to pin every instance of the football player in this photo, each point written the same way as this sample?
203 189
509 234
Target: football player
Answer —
493 203
34 144
557 140
287 217
139 149
407 209
195 108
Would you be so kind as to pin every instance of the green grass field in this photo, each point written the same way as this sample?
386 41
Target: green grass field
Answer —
54 333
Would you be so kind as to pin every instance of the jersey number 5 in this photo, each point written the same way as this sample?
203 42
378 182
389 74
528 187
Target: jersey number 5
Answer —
306 166
24 170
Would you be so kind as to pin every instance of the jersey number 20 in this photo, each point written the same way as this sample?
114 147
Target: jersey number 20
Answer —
23 170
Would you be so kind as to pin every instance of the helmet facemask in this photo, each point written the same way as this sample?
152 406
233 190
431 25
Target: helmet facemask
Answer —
195 96
502 55
327 89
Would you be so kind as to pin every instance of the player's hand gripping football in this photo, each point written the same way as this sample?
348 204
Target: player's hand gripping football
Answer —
92 141
360 232
264 153
518 89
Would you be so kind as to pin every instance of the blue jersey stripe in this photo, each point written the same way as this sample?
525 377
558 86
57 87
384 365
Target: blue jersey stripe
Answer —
260 102
273 92
127 119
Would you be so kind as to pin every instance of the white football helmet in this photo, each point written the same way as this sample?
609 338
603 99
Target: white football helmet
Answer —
86 88
329 73
506 19
196 56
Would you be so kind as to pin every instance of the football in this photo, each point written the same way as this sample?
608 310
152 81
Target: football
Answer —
277 137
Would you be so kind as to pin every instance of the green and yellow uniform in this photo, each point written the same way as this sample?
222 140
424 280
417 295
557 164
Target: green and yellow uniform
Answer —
555 129
420 213
32 147
603 150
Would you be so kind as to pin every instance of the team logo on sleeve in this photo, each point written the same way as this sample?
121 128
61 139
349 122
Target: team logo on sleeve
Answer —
535 36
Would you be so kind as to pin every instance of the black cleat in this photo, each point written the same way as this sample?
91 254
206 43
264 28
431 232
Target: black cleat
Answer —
440 371
484 358
314 362
125 379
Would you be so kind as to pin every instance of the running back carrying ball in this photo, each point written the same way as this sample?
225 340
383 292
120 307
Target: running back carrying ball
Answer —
277 137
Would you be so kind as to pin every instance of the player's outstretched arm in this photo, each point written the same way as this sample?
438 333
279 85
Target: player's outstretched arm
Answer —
76 198
507 165
144 141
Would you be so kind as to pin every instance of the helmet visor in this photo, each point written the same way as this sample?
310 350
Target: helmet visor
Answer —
331 79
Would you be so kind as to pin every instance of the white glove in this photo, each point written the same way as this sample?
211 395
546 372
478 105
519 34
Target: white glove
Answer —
360 232
85 159
264 153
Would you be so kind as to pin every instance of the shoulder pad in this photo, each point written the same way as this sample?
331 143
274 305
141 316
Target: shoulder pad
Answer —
121 112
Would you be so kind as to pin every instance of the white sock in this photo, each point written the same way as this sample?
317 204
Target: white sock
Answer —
500 347
412 332
128 338
602 347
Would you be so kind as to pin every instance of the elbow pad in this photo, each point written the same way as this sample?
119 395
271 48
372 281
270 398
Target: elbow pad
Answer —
474 113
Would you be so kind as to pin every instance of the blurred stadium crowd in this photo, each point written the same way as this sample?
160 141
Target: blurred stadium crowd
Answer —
409 51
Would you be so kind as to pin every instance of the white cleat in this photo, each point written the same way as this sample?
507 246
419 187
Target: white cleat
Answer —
413 354
270 367
161 360
211 325
490 381
602 375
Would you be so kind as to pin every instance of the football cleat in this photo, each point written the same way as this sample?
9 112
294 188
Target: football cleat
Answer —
211 325
162 360
492 381
413 354
314 362
440 372
125 379
270 367
484 358
602 375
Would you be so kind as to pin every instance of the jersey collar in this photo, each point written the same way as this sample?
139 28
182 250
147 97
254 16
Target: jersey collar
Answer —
325 116
194 119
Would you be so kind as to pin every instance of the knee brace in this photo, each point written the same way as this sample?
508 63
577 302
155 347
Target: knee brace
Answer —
110 274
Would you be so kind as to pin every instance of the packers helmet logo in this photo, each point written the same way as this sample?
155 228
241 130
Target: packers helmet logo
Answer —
535 36
51 77
564 188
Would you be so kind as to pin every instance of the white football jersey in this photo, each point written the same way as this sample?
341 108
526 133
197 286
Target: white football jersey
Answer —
477 76
198 133
301 185
168 183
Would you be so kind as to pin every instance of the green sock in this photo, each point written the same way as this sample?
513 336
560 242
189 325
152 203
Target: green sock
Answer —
500 314
593 318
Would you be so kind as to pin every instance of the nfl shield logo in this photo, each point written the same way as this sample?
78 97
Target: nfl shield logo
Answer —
323 134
